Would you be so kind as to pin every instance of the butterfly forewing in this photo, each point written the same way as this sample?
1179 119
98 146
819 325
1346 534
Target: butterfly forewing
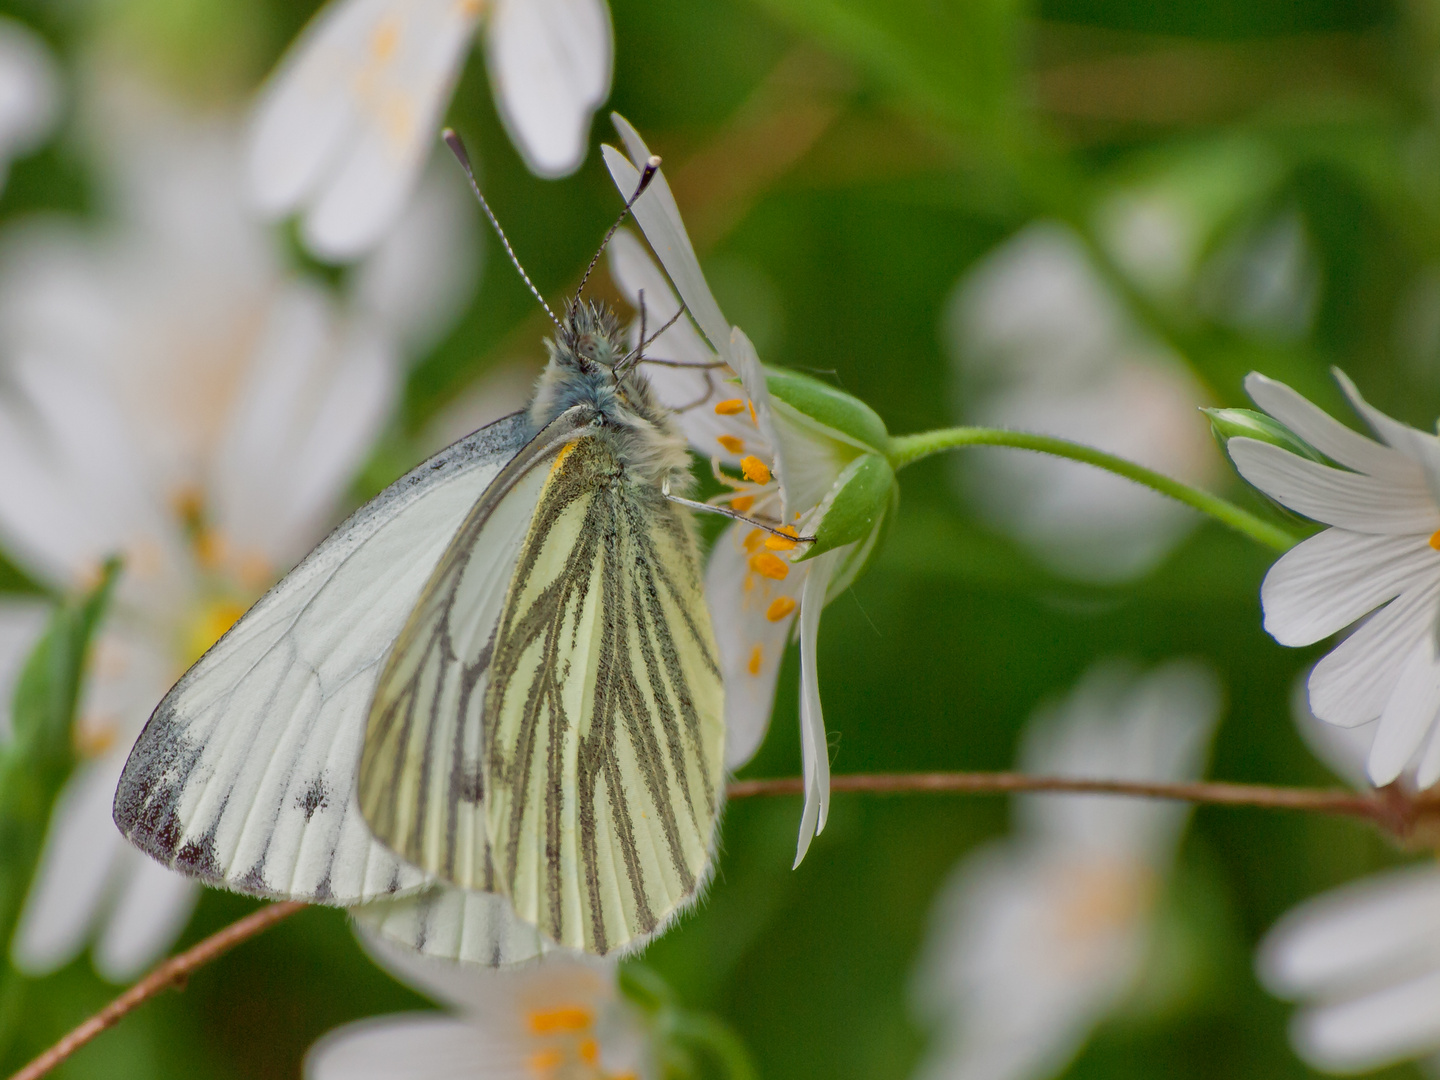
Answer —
604 728
245 774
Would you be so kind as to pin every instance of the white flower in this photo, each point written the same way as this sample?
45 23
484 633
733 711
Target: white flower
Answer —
353 111
781 464
175 394
29 92
1041 344
1034 939
558 1018
1364 958
1380 555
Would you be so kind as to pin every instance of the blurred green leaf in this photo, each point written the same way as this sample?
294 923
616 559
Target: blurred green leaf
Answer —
37 760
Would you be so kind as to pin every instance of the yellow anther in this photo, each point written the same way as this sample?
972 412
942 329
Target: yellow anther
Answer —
754 538
780 607
741 503
189 506
210 548
1435 540
544 1062
209 626
589 1051
780 543
731 443
565 1018
92 736
754 469
730 406
769 565
753 418
756 656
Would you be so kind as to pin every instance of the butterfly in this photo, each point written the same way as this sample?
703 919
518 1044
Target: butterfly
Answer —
487 711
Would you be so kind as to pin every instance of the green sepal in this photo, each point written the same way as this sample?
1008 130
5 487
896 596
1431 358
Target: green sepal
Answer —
1227 424
845 417
855 507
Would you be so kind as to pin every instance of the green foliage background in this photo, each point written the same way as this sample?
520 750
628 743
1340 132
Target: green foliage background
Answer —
948 125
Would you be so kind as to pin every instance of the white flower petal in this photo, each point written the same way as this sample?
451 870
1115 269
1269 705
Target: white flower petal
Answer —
814 749
1342 749
1378 928
1333 496
71 882
550 65
152 908
659 217
1408 714
423 274
1427 769
351 116
1328 435
1351 683
415 1046
1326 582
316 396
751 645
1381 1028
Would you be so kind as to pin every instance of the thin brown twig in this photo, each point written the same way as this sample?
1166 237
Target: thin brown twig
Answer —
171 973
1389 808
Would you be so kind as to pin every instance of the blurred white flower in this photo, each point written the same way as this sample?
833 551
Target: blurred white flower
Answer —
1380 556
170 390
1365 960
782 466
1034 939
1041 344
30 93
348 119
557 1018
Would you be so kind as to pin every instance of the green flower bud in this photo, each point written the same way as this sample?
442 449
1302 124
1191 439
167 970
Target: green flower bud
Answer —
1230 424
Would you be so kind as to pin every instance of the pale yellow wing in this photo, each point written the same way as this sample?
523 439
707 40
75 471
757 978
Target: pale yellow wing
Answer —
604 712
420 787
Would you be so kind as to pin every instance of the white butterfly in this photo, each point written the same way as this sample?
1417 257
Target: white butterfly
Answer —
522 620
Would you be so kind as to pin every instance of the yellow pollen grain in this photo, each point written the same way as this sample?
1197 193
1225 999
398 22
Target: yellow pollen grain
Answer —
769 565
780 607
1435 540
731 443
730 407
742 503
781 543
544 1062
754 469
589 1051
754 538
757 654
565 1018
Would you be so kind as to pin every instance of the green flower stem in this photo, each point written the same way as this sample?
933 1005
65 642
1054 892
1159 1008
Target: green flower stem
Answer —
907 449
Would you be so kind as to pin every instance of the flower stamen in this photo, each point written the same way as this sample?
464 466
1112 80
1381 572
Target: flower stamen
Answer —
730 407
769 565
731 443
754 470
779 608
757 655
565 1018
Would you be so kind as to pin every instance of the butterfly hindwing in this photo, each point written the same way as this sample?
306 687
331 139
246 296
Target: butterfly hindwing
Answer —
421 788
604 729
245 774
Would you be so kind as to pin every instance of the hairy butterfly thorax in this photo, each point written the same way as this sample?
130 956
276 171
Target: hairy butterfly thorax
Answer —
590 365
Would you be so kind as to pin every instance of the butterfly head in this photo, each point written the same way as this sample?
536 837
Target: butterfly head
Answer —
591 365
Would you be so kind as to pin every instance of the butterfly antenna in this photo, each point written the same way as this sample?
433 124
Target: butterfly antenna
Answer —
457 148
646 175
